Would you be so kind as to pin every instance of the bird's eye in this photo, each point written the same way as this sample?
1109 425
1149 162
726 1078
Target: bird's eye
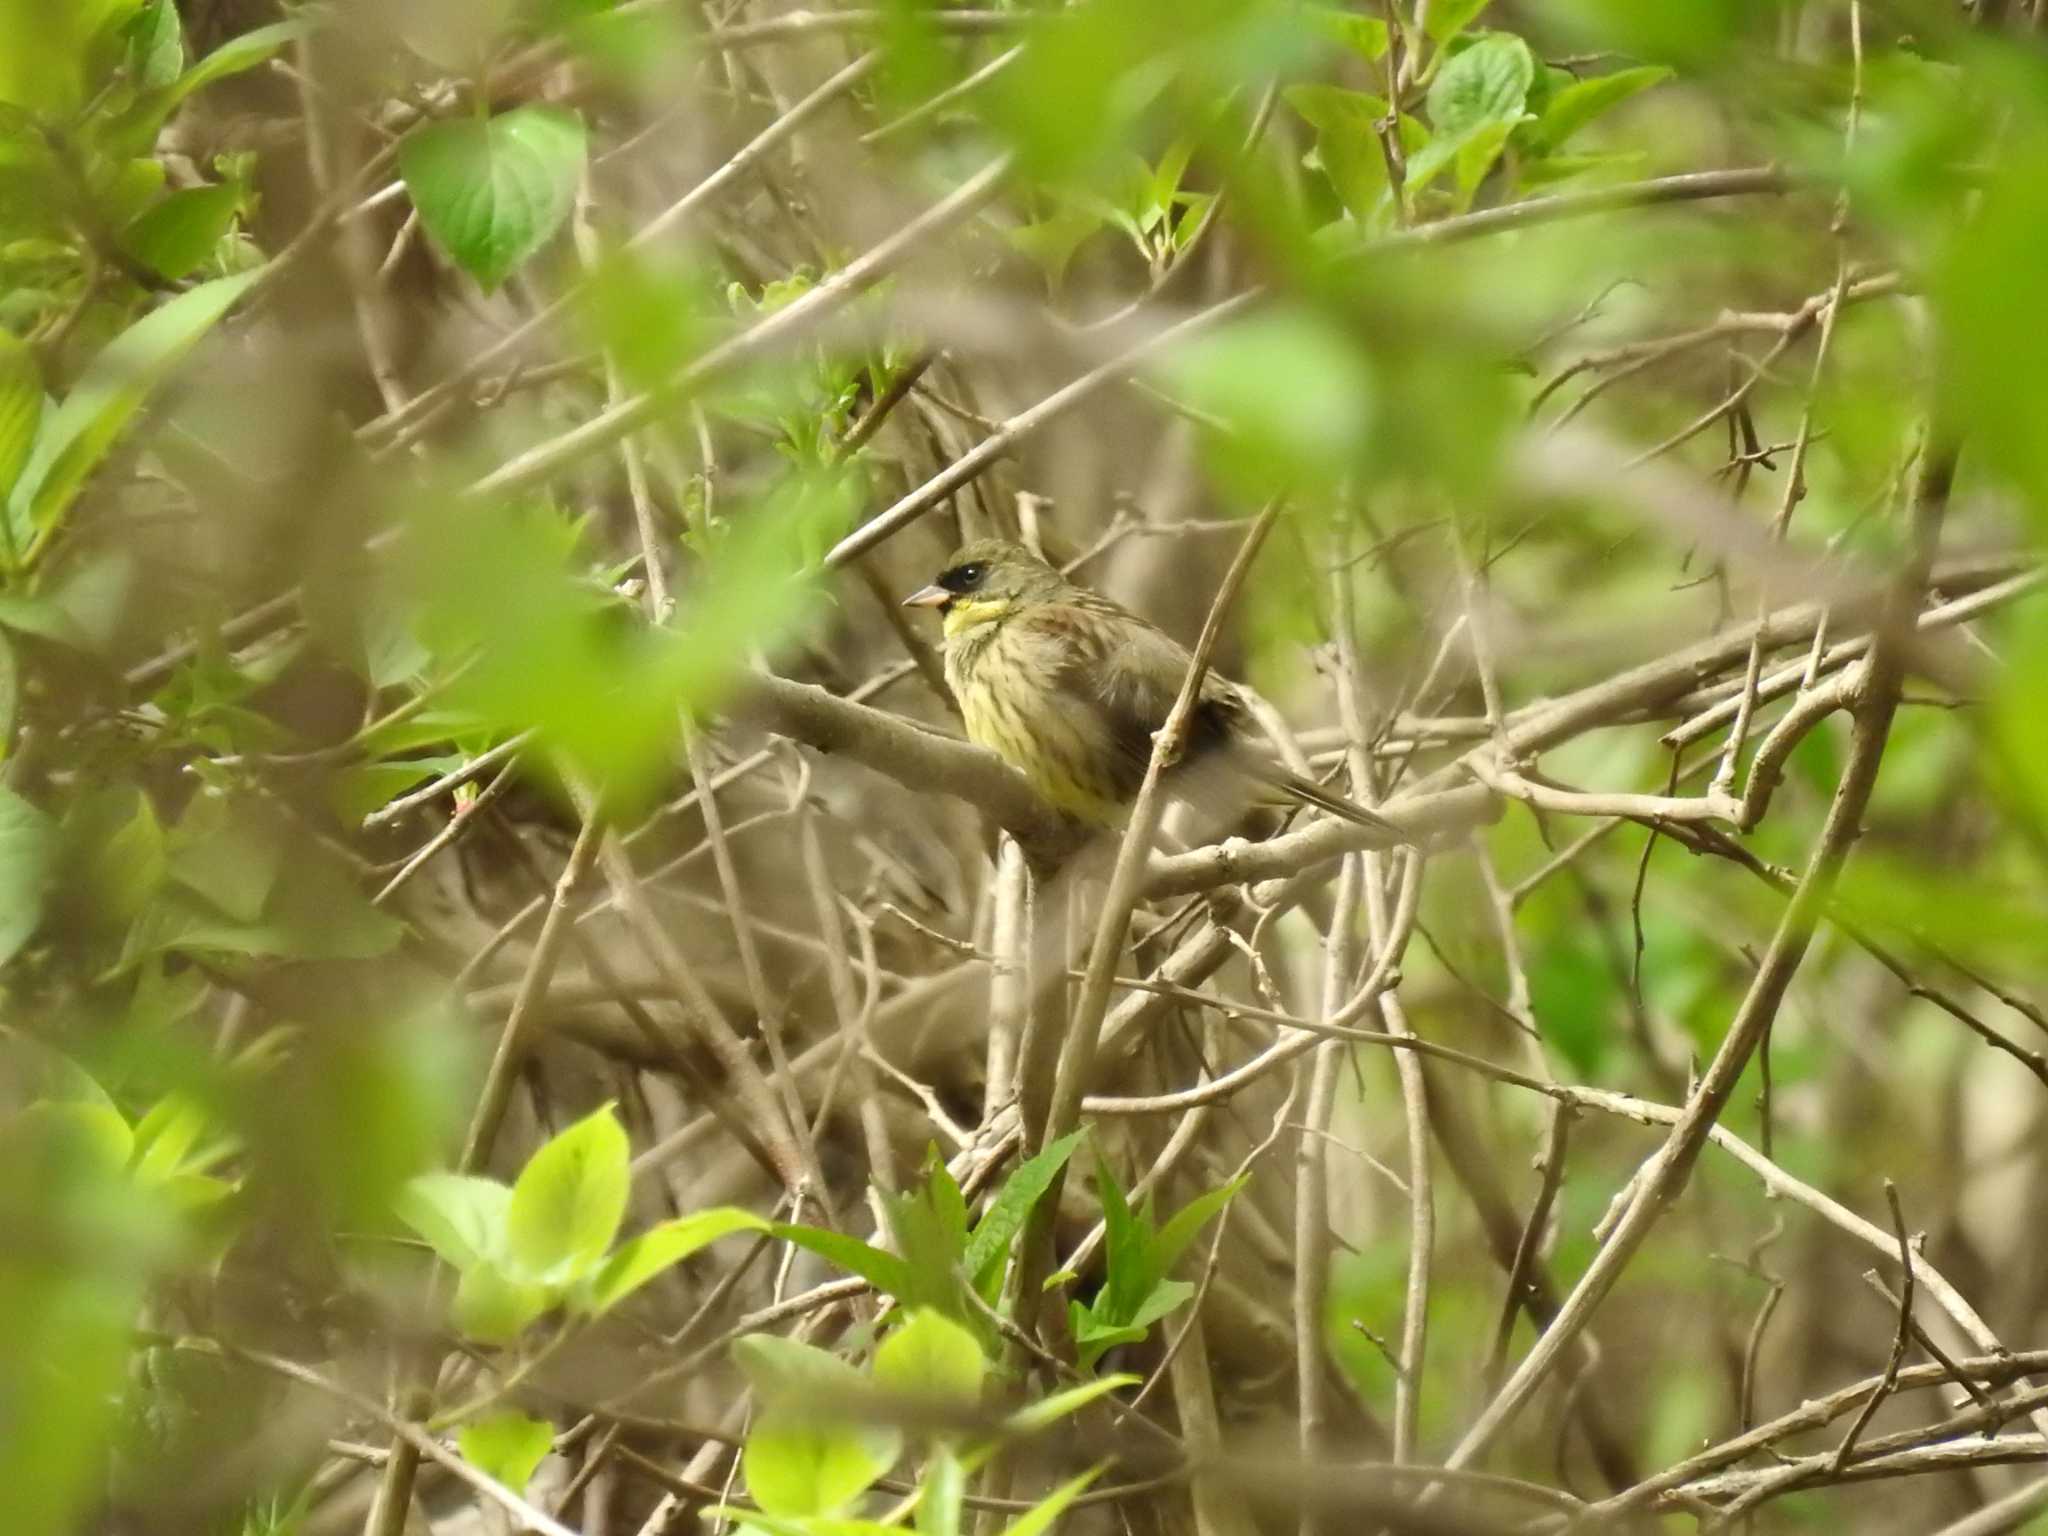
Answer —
971 575
964 578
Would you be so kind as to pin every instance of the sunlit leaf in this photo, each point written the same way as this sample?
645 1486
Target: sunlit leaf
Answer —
640 1259
885 1271
507 1446
798 1465
43 64
568 1201
1447 18
494 1308
931 1356
462 1216
1291 397
1050 1410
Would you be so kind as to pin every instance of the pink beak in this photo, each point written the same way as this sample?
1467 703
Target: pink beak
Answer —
934 596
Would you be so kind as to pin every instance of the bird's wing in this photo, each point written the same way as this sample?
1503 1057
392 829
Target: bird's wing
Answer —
1121 675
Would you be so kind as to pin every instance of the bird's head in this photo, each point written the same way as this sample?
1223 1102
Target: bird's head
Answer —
985 580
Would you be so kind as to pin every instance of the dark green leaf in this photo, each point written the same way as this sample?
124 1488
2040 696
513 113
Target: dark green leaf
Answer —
179 234
239 53
883 1270
494 192
28 843
230 852
1012 1204
21 408
156 45
1487 83
113 387
1578 104
1127 1251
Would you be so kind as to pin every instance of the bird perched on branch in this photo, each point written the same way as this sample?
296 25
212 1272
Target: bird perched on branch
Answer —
1068 688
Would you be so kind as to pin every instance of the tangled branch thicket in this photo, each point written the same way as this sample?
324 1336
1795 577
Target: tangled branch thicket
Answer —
524 1011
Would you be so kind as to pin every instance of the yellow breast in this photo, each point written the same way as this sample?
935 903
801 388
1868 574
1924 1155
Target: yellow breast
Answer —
1008 704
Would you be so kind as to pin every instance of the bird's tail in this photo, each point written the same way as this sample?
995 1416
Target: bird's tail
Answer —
1293 786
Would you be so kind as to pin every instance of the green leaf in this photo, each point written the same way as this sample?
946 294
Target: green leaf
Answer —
238 54
945 1484
179 234
28 845
1347 141
10 691
77 1132
1048 1411
797 1465
1365 36
47 50
1487 83
634 1263
1190 1219
568 1201
1127 1251
230 852
1294 395
1988 295
1095 1335
1165 1296
166 1138
1476 154
492 193
931 1356
804 1457
135 129
493 1307
115 860
1579 103
1040 1517
883 1270
156 45
462 1216
113 387
21 407
506 1446
948 1204
1012 1204
1447 18
779 1369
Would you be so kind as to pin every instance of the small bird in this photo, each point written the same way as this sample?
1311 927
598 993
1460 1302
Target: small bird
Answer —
1068 688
